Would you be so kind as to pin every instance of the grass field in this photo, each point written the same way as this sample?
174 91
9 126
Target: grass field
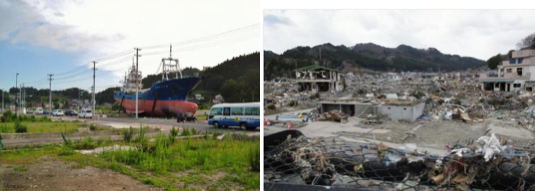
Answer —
166 161
100 109
42 127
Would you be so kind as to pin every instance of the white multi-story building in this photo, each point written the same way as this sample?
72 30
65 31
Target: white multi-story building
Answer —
513 74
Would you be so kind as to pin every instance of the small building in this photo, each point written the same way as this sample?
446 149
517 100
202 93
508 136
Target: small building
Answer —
316 78
402 111
397 110
513 74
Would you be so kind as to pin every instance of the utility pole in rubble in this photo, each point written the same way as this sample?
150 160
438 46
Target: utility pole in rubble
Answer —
137 78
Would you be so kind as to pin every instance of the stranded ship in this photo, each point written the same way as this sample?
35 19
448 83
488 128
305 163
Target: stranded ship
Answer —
165 98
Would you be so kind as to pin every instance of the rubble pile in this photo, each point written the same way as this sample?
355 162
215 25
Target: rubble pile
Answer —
484 163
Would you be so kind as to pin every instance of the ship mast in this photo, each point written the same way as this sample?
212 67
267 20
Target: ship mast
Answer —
172 66
131 81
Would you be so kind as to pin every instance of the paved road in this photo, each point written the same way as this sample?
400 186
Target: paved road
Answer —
164 124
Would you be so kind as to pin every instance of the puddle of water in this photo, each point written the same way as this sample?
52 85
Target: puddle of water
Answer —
101 149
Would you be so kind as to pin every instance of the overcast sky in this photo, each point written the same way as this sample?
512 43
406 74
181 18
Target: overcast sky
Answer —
476 33
62 37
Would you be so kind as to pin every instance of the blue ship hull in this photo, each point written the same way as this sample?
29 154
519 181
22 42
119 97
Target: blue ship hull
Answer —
164 98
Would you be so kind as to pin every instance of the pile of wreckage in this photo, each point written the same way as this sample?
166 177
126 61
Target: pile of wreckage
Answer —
469 115
484 163
334 116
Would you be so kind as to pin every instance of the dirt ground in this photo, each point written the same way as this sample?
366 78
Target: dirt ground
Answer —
53 174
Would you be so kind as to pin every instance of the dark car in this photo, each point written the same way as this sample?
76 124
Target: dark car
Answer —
185 117
45 112
69 112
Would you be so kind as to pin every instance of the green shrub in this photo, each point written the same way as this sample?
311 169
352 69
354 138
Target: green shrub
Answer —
5 129
20 128
271 107
172 134
185 132
127 134
93 127
8 116
194 131
254 158
86 143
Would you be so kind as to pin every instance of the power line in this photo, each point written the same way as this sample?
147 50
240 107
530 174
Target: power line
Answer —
202 46
70 71
230 32
116 62
115 55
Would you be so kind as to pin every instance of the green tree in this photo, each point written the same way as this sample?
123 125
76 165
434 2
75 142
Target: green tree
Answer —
494 61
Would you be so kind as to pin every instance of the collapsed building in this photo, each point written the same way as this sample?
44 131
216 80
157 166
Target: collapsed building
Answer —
316 78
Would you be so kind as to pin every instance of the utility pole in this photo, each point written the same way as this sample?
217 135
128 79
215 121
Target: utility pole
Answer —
50 94
94 68
16 92
2 101
137 83
22 98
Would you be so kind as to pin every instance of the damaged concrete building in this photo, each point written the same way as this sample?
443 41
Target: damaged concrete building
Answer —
513 74
396 110
316 78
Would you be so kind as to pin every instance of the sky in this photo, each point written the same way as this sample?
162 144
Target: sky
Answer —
476 33
63 37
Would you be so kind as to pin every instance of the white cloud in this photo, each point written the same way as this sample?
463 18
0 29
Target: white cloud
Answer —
99 28
476 33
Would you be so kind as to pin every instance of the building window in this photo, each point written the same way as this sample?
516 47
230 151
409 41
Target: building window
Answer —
496 85
509 70
520 60
516 85
519 71
512 61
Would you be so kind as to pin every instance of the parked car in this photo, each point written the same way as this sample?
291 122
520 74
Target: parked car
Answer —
85 113
57 112
45 112
185 117
69 112
38 111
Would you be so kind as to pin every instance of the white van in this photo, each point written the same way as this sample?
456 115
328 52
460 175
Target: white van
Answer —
38 111
85 113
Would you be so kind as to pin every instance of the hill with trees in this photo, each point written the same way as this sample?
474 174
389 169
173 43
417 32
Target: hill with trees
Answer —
365 56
